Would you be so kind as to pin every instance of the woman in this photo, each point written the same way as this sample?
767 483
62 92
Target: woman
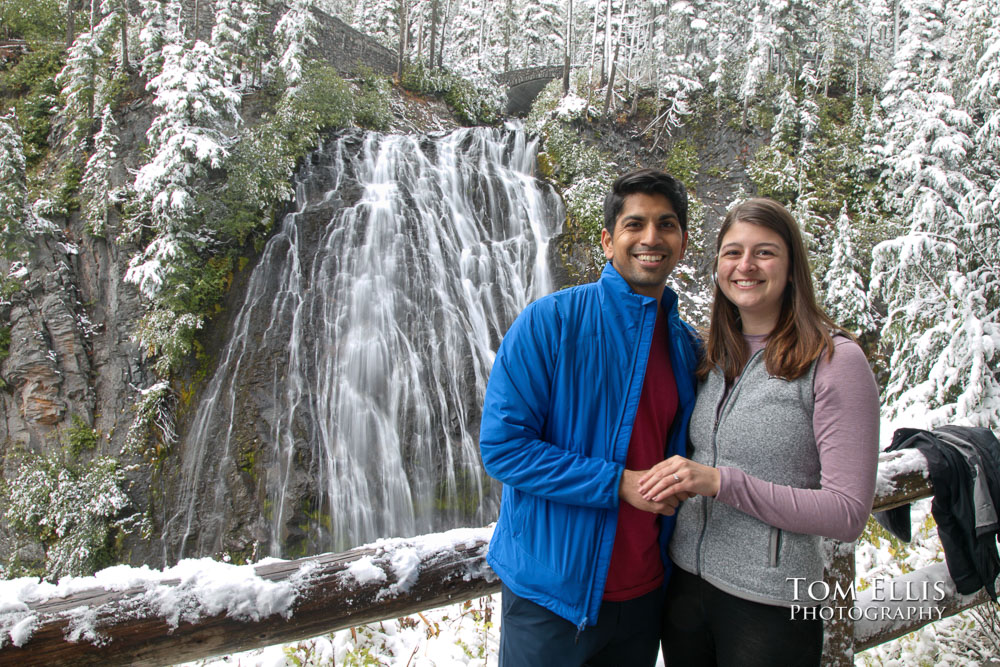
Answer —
783 449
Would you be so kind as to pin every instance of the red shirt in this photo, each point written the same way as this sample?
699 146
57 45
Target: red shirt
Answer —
636 567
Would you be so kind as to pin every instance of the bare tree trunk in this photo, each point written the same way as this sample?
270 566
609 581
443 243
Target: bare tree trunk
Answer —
593 54
197 12
895 27
444 26
403 35
606 59
482 34
434 23
420 40
508 26
569 47
124 27
71 6
611 81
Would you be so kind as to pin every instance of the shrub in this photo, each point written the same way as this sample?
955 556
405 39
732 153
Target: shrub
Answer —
372 110
473 103
81 436
169 336
682 162
75 513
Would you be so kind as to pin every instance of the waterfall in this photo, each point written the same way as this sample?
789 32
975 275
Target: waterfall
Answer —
345 405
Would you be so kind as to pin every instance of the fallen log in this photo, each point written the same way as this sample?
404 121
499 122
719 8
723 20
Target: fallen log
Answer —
166 621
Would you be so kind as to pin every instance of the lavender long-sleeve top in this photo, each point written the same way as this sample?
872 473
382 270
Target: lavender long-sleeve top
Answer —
846 427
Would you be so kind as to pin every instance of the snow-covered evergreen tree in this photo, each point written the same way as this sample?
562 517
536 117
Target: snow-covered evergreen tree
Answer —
378 19
186 138
845 297
541 28
296 33
157 30
940 279
78 79
773 169
230 36
984 99
115 26
13 191
96 185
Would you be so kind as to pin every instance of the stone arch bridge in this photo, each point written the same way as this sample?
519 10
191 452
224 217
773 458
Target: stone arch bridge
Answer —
345 48
524 85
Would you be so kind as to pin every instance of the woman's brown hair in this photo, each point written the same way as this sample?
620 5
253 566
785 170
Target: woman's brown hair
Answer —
803 331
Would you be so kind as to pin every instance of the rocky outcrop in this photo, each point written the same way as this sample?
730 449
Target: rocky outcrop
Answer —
48 369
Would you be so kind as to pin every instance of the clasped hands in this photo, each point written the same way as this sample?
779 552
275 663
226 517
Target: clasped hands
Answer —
662 488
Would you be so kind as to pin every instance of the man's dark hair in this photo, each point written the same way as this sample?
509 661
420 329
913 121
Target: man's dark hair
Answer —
650 182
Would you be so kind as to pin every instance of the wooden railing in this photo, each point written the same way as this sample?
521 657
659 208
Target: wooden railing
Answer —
899 605
387 580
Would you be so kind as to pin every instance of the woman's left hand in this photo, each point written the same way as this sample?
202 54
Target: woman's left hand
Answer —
679 476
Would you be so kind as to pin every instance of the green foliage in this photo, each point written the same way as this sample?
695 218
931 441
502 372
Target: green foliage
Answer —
32 20
773 173
201 287
572 158
76 513
81 437
168 335
118 89
69 181
474 104
543 106
27 84
321 100
151 434
583 173
4 342
682 162
261 164
585 205
373 111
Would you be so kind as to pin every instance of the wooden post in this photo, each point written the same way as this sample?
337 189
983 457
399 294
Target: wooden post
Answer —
838 629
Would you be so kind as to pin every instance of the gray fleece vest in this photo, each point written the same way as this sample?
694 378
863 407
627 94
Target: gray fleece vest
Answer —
765 429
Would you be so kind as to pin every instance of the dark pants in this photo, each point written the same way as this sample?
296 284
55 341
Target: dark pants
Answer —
626 634
705 626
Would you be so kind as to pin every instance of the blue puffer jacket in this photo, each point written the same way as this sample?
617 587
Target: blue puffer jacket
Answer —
556 426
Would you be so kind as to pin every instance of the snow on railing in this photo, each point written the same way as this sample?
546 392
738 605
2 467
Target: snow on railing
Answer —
202 608
896 606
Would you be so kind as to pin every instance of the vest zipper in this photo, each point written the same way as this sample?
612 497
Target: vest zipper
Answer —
720 408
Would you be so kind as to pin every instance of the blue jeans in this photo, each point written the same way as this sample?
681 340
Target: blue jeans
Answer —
627 634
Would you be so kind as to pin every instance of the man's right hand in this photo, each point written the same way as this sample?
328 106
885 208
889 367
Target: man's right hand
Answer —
628 491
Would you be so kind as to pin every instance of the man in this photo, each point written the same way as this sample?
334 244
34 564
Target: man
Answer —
591 386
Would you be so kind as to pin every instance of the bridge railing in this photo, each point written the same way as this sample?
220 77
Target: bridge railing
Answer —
169 619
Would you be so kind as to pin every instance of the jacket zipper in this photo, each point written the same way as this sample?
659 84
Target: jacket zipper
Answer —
642 325
719 410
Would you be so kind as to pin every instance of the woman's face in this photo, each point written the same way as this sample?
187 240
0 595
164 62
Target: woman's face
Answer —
753 272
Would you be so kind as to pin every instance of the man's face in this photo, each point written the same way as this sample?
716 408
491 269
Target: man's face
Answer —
647 242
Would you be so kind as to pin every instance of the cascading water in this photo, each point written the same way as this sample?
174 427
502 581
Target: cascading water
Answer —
346 403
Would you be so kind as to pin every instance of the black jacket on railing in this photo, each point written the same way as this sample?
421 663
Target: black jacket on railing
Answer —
964 465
